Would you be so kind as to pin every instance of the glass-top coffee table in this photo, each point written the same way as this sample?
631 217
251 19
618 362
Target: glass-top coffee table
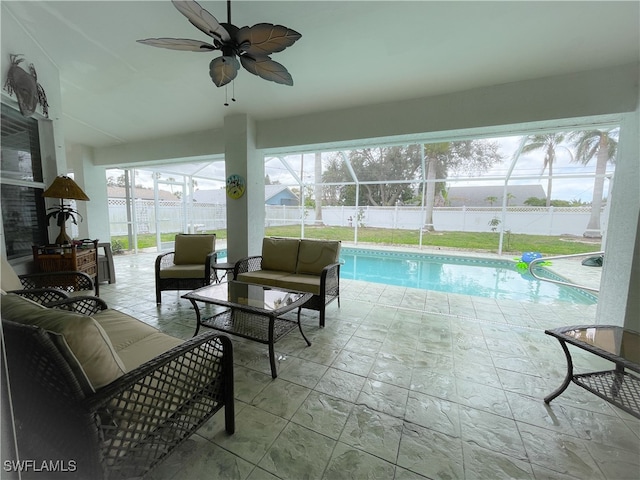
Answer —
250 311
616 344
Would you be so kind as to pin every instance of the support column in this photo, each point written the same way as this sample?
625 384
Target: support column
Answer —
618 299
245 215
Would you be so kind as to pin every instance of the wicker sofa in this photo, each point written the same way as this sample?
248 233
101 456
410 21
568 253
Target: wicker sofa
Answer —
298 264
104 394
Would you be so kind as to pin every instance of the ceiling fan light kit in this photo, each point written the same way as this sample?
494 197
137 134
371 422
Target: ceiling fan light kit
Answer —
251 45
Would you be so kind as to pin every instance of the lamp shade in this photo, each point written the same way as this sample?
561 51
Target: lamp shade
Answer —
65 187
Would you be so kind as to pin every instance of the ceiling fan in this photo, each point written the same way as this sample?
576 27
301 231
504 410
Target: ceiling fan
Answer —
252 45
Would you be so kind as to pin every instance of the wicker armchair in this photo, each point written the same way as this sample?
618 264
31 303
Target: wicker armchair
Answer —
189 266
125 428
63 281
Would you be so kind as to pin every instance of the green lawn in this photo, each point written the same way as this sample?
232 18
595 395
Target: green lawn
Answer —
485 242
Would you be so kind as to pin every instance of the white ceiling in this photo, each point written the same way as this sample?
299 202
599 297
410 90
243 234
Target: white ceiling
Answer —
115 90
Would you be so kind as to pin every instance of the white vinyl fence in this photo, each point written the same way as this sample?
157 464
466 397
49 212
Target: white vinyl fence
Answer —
178 217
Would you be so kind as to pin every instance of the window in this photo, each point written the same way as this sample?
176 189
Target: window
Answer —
23 208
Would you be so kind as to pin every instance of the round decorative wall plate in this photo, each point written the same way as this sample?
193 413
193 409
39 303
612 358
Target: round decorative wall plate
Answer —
236 186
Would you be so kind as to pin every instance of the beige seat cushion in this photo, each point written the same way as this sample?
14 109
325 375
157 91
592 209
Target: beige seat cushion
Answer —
135 341
87 340
147 348
193 249
280 254
9 280
262 277
301 282
183 271
314 255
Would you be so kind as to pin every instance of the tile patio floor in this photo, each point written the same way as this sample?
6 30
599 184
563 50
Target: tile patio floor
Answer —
401 384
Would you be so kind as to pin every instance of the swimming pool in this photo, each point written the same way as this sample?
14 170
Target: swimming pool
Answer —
499 279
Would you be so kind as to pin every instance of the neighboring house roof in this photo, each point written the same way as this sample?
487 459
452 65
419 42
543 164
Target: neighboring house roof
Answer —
476 196
219 196
143 193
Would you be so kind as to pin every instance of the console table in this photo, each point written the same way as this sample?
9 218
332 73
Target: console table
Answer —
69 258
616 344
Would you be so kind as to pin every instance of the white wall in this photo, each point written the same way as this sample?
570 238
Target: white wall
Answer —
93 181
500 108
596 92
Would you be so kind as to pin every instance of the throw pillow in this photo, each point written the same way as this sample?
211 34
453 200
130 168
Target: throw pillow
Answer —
9 280
86 339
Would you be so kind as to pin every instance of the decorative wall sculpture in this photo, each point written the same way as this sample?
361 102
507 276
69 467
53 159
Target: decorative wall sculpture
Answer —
26 87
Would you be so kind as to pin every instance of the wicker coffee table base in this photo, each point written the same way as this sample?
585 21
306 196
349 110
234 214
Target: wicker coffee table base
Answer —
253 325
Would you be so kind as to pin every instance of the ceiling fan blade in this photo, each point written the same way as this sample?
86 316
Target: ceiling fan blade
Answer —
179 44
266 68
202 20
265 38
223 69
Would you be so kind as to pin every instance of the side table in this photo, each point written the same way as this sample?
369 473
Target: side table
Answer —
69 258
616 344
227 268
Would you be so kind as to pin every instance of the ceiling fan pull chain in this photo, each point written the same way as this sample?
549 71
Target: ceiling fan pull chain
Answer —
233 91
226 96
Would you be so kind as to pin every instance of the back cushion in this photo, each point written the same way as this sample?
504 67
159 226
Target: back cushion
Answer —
86 339
193 249
314 255
9 280
280 254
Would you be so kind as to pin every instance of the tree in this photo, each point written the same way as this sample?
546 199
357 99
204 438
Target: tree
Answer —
491 200
601 145
444 158
385 176
116 181
549 143
382 164
318 187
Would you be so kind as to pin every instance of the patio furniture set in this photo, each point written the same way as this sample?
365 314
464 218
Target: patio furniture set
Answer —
109 396
112 396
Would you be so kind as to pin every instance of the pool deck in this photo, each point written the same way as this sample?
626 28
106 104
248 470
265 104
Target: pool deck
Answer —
412 383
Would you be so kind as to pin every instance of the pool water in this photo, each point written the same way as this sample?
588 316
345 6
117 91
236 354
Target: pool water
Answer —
498 279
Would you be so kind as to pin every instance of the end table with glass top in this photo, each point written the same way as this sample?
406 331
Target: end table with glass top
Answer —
620 386
250 311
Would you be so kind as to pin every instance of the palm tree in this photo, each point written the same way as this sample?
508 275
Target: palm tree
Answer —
549 143
318 187
603 145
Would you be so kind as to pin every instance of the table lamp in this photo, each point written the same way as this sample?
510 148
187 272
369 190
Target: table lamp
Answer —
64 187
